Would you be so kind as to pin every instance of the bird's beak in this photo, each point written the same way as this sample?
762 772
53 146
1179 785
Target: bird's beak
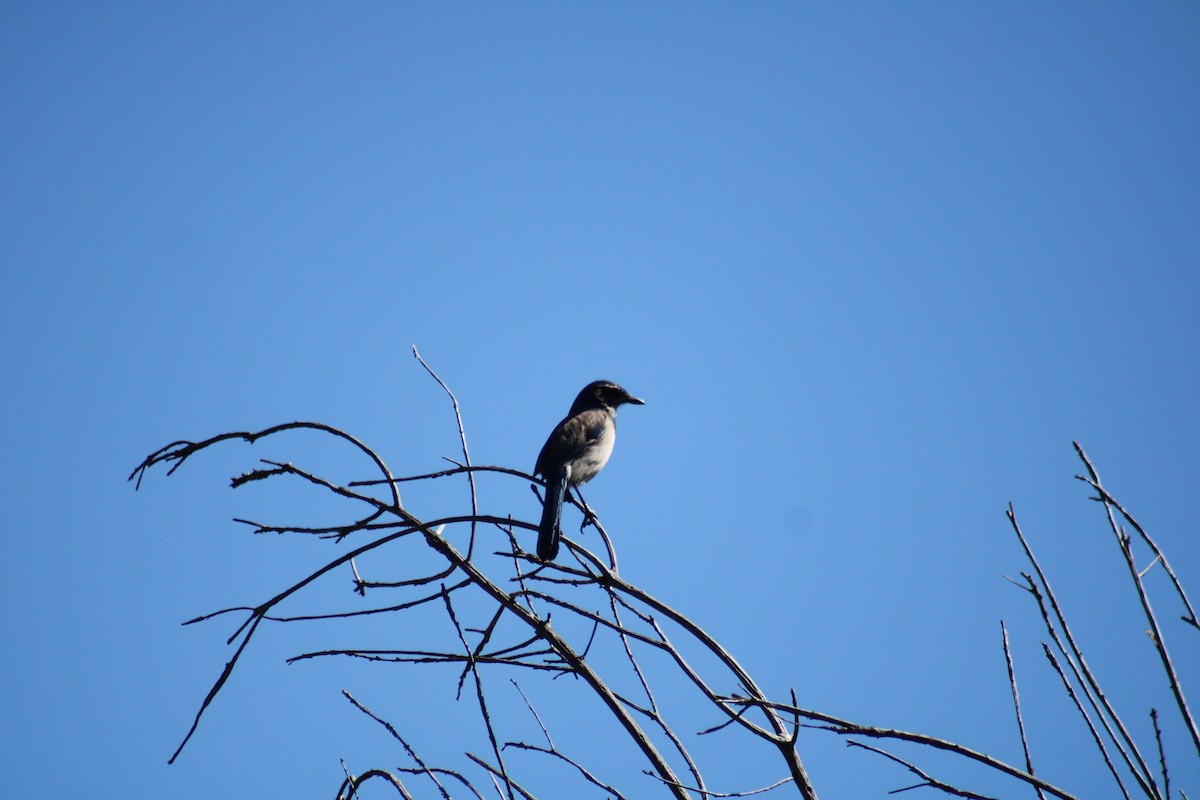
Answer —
637 401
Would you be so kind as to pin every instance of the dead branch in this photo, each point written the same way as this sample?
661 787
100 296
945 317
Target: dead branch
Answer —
502 618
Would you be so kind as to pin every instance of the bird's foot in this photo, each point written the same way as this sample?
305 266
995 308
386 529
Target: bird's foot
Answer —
589 518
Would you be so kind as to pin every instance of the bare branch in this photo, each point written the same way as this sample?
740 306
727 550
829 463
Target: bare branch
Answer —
178 452
1088 682
216 687
456 470
846 727
587 591
472 664
462 436
926 779
1162 753
407 748
746 793
495 773
553 751
1012 682
349 787
1156 635
537 718
1099 742
1104 496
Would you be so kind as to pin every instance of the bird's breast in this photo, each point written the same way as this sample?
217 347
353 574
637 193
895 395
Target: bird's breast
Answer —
594 456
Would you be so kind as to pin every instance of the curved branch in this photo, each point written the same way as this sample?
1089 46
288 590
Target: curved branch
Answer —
180 451
846 727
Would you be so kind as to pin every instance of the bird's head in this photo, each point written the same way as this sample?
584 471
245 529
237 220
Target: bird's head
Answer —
603 394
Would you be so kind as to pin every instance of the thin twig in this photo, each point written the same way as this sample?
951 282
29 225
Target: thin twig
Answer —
615 601
395 735
479 695
589 776
462 436
1012 683
745 793
846 727
926 779
510 784
1096 738
216 687
457 470
780 736
1190 616
1071 651
1156 635
537 718
1162 753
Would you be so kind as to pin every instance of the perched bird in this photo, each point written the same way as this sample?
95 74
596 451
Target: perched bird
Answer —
578 448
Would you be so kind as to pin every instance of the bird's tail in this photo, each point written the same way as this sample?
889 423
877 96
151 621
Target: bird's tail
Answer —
548 532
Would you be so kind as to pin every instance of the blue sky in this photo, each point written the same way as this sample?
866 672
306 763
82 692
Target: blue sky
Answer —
872 266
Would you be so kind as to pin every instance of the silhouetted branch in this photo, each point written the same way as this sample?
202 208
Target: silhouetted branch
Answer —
496 776
1162 753
350 786
1096 738
1156 635
589 776
926 779
845 727
1016 696
462 436
1104 496
499 601
1071 651
178 452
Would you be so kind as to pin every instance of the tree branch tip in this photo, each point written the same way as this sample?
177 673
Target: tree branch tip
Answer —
212 614
910 788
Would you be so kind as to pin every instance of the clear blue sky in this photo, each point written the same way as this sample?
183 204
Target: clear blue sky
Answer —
872 266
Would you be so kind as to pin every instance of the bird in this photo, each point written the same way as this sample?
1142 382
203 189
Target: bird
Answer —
576 451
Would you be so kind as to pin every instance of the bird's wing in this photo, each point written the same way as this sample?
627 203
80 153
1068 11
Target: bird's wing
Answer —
569 439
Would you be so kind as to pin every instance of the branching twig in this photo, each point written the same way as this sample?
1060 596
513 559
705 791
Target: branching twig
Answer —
407 748
589 776
846 727
480 696
640 622
1083 673
1156 635
926 779
1096 738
